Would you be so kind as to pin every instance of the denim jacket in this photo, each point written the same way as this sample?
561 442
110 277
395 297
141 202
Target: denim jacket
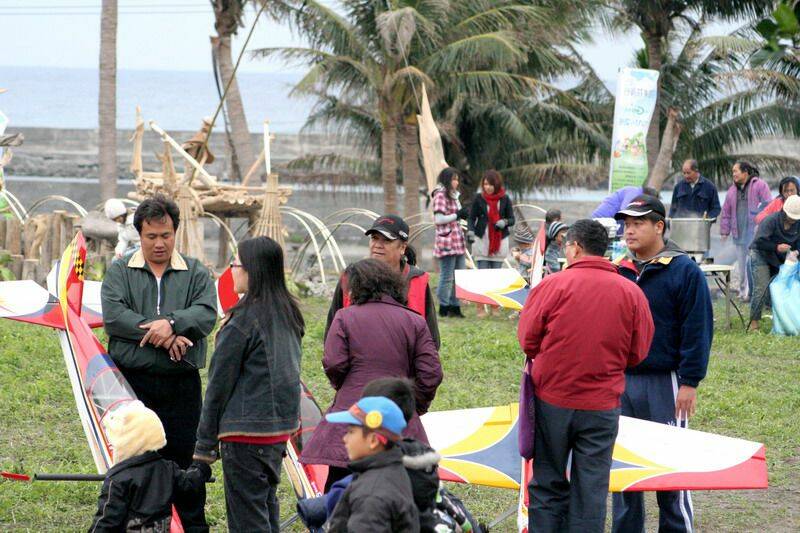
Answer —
253 383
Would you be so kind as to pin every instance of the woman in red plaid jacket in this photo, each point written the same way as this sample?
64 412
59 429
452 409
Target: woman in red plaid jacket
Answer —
449 247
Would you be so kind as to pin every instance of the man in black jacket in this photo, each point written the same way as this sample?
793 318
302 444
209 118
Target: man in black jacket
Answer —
158 308
777 234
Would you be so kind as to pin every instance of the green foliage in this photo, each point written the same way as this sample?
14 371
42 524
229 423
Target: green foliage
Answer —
781 35
96 269
489 69
5 273
750 392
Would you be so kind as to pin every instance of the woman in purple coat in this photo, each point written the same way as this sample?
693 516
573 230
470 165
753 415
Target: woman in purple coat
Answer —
377 337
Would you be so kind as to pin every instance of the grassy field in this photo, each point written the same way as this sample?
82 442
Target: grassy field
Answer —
751 392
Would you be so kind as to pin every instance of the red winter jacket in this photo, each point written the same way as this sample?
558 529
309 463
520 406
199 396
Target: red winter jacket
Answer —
583 327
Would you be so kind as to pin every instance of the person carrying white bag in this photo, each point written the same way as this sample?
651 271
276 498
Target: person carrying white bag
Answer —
785 293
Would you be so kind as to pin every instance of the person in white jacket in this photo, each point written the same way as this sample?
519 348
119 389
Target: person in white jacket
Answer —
127 236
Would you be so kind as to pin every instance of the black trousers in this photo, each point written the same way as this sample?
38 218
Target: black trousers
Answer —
579 443
252 476
177 400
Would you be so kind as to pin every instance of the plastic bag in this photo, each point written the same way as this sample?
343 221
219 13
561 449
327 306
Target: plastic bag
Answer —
785 293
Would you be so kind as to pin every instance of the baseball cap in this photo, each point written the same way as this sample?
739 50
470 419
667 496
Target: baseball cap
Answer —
373 412
390 226
644 204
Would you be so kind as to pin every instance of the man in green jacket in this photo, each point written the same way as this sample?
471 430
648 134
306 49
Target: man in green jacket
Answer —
158 308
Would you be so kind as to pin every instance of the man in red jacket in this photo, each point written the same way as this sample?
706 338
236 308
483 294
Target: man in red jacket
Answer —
582 327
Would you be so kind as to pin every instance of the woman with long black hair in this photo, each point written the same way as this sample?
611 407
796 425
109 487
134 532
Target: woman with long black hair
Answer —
252 402
448 245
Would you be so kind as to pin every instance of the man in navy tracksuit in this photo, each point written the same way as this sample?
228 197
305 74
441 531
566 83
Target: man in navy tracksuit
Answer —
663 388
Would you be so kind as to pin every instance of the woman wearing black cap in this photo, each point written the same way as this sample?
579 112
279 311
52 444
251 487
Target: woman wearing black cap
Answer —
388 243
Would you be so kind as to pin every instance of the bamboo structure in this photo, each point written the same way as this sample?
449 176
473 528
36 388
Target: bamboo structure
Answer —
269 222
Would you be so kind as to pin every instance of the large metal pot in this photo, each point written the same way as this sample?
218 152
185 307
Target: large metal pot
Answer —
691 234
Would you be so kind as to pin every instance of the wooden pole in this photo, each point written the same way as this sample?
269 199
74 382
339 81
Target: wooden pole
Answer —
253 169
28 233
65 231
29 268
13 236
222 257
16 265
2 231
204 176
46 257
57 244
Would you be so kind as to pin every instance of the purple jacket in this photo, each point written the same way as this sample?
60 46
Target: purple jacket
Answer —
616 201
377 339
757 192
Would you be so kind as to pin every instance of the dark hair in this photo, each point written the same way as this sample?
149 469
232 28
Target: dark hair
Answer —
590 235
399 390
693 164
650 191
156 208
369 279
494 178
387 444
446 177
411 255
655 218
786 181
552 215
747 167
267 295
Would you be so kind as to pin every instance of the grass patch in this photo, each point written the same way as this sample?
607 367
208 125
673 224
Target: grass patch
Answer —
751 392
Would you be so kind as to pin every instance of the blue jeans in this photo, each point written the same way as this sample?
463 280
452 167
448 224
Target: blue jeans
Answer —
252 476
578 504
484 264
446 291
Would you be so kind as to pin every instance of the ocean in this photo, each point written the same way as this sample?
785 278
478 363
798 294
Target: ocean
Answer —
67 98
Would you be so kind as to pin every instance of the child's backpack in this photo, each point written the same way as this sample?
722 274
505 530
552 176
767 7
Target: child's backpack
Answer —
451 516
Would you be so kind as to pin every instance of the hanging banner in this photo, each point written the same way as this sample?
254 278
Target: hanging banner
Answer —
636 100
430 142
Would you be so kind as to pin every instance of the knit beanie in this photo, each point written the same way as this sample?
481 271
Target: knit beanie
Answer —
523 234
133 429
554 229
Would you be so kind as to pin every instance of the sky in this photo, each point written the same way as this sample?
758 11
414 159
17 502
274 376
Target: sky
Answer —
174 34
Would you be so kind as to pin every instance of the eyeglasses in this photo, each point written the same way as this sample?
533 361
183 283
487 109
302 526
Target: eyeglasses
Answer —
235 265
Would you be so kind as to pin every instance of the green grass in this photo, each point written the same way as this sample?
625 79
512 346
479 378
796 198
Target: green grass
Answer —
751 392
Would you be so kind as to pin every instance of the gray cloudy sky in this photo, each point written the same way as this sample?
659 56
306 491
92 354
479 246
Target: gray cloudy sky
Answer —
170 34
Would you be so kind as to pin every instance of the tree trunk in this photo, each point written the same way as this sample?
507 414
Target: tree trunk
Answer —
653 44
663 163
107 101
412 176
389 166
240 141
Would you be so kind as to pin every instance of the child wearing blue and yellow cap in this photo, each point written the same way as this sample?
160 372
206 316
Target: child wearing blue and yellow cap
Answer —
380 497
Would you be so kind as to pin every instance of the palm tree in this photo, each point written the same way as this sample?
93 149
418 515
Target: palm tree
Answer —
657 20
367 63
107 100
227 21
721 106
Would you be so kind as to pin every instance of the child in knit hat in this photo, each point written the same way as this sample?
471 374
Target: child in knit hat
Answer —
139 490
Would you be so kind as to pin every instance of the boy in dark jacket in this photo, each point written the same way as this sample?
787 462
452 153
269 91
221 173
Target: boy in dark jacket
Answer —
663 388
140 488
420 460
380 497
